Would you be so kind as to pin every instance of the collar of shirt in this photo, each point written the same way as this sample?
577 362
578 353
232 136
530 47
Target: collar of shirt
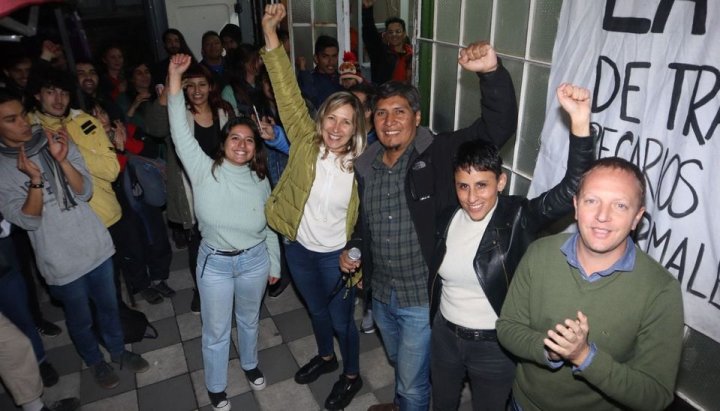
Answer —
400 164
625 263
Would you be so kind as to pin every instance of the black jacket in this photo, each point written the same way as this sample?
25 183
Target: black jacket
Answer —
514 225
429 184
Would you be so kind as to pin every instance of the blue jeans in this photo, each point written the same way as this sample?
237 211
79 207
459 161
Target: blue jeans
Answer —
96 286
406 334
316 277
222 280
14 302
489 367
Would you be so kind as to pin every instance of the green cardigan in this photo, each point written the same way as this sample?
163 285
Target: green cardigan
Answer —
284 209
635 320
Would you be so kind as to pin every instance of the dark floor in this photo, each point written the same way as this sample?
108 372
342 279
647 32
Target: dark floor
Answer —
175 379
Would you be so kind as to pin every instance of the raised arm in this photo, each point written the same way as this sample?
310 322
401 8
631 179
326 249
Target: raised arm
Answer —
557 202
371 37
498 121
293 111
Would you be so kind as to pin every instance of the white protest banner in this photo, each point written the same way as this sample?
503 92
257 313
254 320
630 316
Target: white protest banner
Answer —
654 71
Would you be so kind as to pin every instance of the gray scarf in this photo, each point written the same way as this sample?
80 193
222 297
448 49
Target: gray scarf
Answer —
38 146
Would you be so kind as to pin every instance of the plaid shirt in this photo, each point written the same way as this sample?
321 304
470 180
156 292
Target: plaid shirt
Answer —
398 262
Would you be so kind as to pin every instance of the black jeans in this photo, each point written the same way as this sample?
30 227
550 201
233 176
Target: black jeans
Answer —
489 368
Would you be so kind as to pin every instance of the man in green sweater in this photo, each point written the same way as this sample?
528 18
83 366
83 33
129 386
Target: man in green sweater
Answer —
595 323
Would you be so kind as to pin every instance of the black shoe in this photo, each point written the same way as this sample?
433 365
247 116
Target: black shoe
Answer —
164 289
48 329
151 295
179 239
315 368
66 404
219 401
48 374
105 376
276 289
131 361
195 303
343 392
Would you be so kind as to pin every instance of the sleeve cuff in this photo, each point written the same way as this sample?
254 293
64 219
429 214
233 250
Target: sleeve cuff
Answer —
588 359
554 365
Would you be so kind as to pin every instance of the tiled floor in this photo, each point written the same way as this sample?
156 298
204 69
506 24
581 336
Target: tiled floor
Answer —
175 379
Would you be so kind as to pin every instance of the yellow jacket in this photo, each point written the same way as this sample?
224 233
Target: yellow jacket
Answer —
99 155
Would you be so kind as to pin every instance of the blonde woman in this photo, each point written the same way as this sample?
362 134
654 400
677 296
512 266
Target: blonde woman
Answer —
315 206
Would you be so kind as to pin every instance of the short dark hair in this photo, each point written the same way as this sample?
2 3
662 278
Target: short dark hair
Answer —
479 156
324 42
616 163
207 34
13 59
233 31
369 91
49 77
7 95
396 88
392 20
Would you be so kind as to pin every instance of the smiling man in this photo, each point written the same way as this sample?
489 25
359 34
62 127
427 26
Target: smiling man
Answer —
596 322
403 183
480 245
318 84
390 54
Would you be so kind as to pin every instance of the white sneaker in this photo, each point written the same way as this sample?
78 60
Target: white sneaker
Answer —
256 379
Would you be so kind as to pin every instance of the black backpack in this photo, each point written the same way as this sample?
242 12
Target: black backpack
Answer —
135 325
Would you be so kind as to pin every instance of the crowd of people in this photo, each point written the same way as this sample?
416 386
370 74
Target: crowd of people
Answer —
271 174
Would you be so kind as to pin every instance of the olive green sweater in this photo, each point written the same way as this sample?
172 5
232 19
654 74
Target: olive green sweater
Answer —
635 320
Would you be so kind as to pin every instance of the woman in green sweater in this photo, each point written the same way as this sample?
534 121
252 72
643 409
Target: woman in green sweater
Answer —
239 254
314 206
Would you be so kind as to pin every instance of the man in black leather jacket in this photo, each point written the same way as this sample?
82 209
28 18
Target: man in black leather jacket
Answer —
480 243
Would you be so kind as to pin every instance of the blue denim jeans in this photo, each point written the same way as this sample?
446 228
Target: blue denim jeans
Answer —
316 277
14 302
222 280
97 286
406 334
488 366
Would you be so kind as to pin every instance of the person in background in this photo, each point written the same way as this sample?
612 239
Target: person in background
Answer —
323 80
112 79
595 322
16 69
173 42
20 375
231 37
244 91
404 183
390 54
479 245
212 58
366 92
314 207
349 70
15 304
45 189
239 253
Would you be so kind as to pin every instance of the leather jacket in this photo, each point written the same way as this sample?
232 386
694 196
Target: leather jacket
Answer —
514 225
